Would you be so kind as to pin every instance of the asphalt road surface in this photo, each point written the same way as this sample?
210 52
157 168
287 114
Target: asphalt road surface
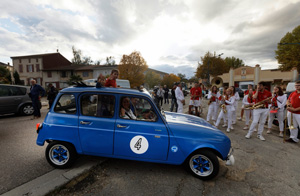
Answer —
21 159
268 167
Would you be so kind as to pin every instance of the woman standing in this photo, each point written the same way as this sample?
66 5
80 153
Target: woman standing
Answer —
213 97
237 98
229 101
277 108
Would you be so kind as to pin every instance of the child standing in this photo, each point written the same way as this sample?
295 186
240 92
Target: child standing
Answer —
111 80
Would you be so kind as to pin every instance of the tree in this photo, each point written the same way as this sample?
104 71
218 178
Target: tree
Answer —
193 79
152 79
234 62
169 80
74 78
288 55
78 59
17 78
110 60
132 68
182 77
4 75
211 65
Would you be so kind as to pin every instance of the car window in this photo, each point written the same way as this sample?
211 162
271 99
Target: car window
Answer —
136 108
98 105
4 91
66 104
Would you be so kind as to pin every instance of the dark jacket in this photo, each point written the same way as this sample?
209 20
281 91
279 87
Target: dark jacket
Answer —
35 91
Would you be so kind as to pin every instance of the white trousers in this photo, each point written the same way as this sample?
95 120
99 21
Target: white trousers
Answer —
296 123
212 111
259 115
180 107
222 115
247 116
234 111
280 114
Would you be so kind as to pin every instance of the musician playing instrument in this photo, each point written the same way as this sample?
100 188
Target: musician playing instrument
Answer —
248 101
237 98
245 93
229 103
278 102
260 114
293 107
196 95
213 97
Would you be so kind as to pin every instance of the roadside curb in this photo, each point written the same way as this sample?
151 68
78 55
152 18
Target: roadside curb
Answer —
57 178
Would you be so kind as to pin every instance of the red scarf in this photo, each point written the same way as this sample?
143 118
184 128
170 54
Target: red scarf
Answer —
274 101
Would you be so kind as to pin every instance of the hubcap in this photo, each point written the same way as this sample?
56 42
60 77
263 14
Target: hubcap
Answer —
59 154
28 109
201 165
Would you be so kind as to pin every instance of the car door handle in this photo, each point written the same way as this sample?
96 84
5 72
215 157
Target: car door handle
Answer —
85 122
121 126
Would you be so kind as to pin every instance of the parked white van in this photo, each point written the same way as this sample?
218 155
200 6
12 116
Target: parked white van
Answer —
244 85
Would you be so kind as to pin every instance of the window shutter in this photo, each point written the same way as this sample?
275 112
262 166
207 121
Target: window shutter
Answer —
27 68
32 67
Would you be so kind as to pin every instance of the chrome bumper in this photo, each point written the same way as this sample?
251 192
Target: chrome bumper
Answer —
230 158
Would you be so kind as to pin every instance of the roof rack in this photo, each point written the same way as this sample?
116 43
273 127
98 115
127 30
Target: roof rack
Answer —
81 84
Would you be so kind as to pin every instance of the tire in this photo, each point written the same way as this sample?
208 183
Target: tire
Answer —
203 164
26 110
60 155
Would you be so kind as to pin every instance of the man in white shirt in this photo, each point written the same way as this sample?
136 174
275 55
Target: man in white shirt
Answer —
180 98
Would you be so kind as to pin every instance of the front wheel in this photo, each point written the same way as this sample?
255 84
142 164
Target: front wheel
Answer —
60 154
203 164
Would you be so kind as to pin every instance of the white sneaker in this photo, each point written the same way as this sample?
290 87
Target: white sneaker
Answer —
239 118
248 136
255 130
262 138
227 130
231 127
280 134
233 123
225 125
268 132
246 128
215 125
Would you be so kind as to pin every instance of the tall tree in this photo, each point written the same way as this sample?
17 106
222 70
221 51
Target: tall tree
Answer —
132 68
211 65
288 53
17 78
234 62
182 77
4 75
110 60
152 79
169 80
78 59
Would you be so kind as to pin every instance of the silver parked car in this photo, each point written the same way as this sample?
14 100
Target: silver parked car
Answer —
15 99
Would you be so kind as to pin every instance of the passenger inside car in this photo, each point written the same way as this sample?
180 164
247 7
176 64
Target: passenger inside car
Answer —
125 111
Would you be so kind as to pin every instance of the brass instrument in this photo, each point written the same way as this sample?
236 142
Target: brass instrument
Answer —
291 125
258 104
223 106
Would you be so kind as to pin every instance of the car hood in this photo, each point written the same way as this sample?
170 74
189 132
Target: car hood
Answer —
184 125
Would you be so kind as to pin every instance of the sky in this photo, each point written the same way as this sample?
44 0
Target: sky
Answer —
171 35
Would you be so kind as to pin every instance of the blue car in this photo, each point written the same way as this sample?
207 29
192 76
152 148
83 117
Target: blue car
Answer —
126 124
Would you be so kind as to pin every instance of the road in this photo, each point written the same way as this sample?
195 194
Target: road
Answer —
262 168
21 159
268 167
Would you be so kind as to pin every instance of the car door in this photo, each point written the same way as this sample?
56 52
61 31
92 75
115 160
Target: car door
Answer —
97 123
10 98
139 131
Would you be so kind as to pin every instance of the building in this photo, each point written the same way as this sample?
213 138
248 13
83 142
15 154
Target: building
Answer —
41 67
255 74
56 69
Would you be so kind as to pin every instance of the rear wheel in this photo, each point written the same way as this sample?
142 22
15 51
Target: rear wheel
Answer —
60 154
203 164
26 109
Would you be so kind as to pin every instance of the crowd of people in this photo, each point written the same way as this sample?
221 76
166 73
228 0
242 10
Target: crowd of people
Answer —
258 104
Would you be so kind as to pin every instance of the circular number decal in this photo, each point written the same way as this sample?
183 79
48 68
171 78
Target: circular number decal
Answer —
139 144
